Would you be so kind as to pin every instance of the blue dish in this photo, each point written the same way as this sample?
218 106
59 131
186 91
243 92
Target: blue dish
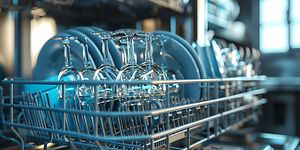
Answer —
191 50
181 62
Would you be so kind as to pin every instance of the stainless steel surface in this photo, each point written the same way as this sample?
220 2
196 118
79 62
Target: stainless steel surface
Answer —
251 140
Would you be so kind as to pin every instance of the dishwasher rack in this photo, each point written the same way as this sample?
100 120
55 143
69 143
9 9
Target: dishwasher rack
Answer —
170 122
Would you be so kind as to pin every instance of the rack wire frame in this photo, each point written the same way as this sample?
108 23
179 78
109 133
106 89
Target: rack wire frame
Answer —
225 104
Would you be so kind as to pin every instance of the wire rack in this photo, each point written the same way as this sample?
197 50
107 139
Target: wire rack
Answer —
167 120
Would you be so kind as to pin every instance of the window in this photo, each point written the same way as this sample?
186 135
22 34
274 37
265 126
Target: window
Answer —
278 32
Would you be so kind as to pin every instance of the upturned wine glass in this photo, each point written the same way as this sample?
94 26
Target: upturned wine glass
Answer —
68 72
86 91
107 71
152 71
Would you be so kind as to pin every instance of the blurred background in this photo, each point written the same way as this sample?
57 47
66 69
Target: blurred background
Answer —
271 26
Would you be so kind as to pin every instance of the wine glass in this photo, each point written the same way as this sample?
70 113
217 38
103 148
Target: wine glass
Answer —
86 91
152 71
160 40
68 72
130 95
107 71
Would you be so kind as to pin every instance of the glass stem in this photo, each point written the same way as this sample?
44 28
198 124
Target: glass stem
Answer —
149 51
67 54
87 62
105 51
130 51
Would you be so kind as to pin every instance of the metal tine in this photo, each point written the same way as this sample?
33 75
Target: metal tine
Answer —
83 117
92 120
135 120
47 113
31 113
31 123
25 114
85 126
103 121
67 122
121 127
59 124
72 144
126 120
110 119
39 114
182 113
130 120
73 117
128 123
175 114
144 121
51 116
37 118
100 146
63 114
110 122
76 116
51 112
23 102
96 118
123 120
112 125
102 126
96 126
140 121
143 118
48 116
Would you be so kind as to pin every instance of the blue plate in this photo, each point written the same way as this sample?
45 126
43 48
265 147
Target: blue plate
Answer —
191 50
181 62
51 59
